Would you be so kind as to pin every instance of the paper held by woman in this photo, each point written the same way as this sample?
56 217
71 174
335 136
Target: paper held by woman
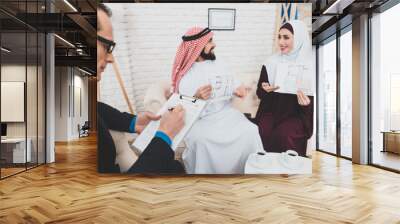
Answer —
292 77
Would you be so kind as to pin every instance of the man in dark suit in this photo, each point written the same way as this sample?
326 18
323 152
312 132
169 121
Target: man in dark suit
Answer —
158 157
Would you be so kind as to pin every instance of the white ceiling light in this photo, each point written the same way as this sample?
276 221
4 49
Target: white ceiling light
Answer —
86 72
5 50
338 6
65 41
70 5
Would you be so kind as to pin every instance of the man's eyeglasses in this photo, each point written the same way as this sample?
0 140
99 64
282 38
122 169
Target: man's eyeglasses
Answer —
109 44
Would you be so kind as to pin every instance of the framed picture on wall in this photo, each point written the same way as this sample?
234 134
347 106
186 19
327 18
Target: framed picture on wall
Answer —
221 19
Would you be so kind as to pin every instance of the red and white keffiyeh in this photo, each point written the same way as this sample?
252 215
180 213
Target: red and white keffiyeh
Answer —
187 53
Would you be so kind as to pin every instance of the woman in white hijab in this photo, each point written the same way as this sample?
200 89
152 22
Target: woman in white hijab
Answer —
285 115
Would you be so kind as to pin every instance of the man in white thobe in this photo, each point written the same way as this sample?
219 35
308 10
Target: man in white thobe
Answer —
221 140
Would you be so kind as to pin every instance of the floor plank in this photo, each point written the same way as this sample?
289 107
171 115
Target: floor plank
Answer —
71 191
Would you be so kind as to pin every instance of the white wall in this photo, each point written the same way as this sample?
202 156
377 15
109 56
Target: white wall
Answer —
68 82
79 117
147 37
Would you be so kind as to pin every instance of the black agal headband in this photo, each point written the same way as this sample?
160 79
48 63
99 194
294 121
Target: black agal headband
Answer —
196 36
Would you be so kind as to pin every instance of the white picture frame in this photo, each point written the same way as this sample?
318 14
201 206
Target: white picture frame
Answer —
221 18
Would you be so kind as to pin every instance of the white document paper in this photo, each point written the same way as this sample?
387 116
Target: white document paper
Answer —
293 77
222 86
193 107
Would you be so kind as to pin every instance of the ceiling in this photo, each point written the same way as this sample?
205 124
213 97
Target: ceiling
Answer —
72 20
333 15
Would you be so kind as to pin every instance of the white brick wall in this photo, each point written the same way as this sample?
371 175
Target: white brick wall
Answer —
147 37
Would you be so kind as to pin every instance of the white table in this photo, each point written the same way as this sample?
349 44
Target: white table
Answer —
19 153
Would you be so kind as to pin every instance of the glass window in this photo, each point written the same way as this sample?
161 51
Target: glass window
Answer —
385 89
14 145
41 98
22 90
31 97
327 97
346 94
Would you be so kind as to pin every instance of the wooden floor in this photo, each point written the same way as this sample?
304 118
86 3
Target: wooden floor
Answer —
10 171
387 159
71 191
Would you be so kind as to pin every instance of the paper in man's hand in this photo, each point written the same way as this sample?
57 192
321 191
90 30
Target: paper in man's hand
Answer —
193 108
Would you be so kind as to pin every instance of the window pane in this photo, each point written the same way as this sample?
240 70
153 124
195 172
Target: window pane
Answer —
385 84
31 97
327 97
41 99
22 76
346 94
15 150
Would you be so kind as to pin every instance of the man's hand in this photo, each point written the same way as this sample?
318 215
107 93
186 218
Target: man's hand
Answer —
303 99
268 88
143 118
172 121
203 92
242 91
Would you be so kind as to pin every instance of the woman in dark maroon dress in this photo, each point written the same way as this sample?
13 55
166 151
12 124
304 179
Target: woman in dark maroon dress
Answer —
285 120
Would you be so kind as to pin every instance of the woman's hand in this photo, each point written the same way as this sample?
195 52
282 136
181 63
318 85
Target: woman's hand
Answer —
268 88
203 92
303 99
241 91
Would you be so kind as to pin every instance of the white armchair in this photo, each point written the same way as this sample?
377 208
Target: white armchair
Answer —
156 95
125 156
248 104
